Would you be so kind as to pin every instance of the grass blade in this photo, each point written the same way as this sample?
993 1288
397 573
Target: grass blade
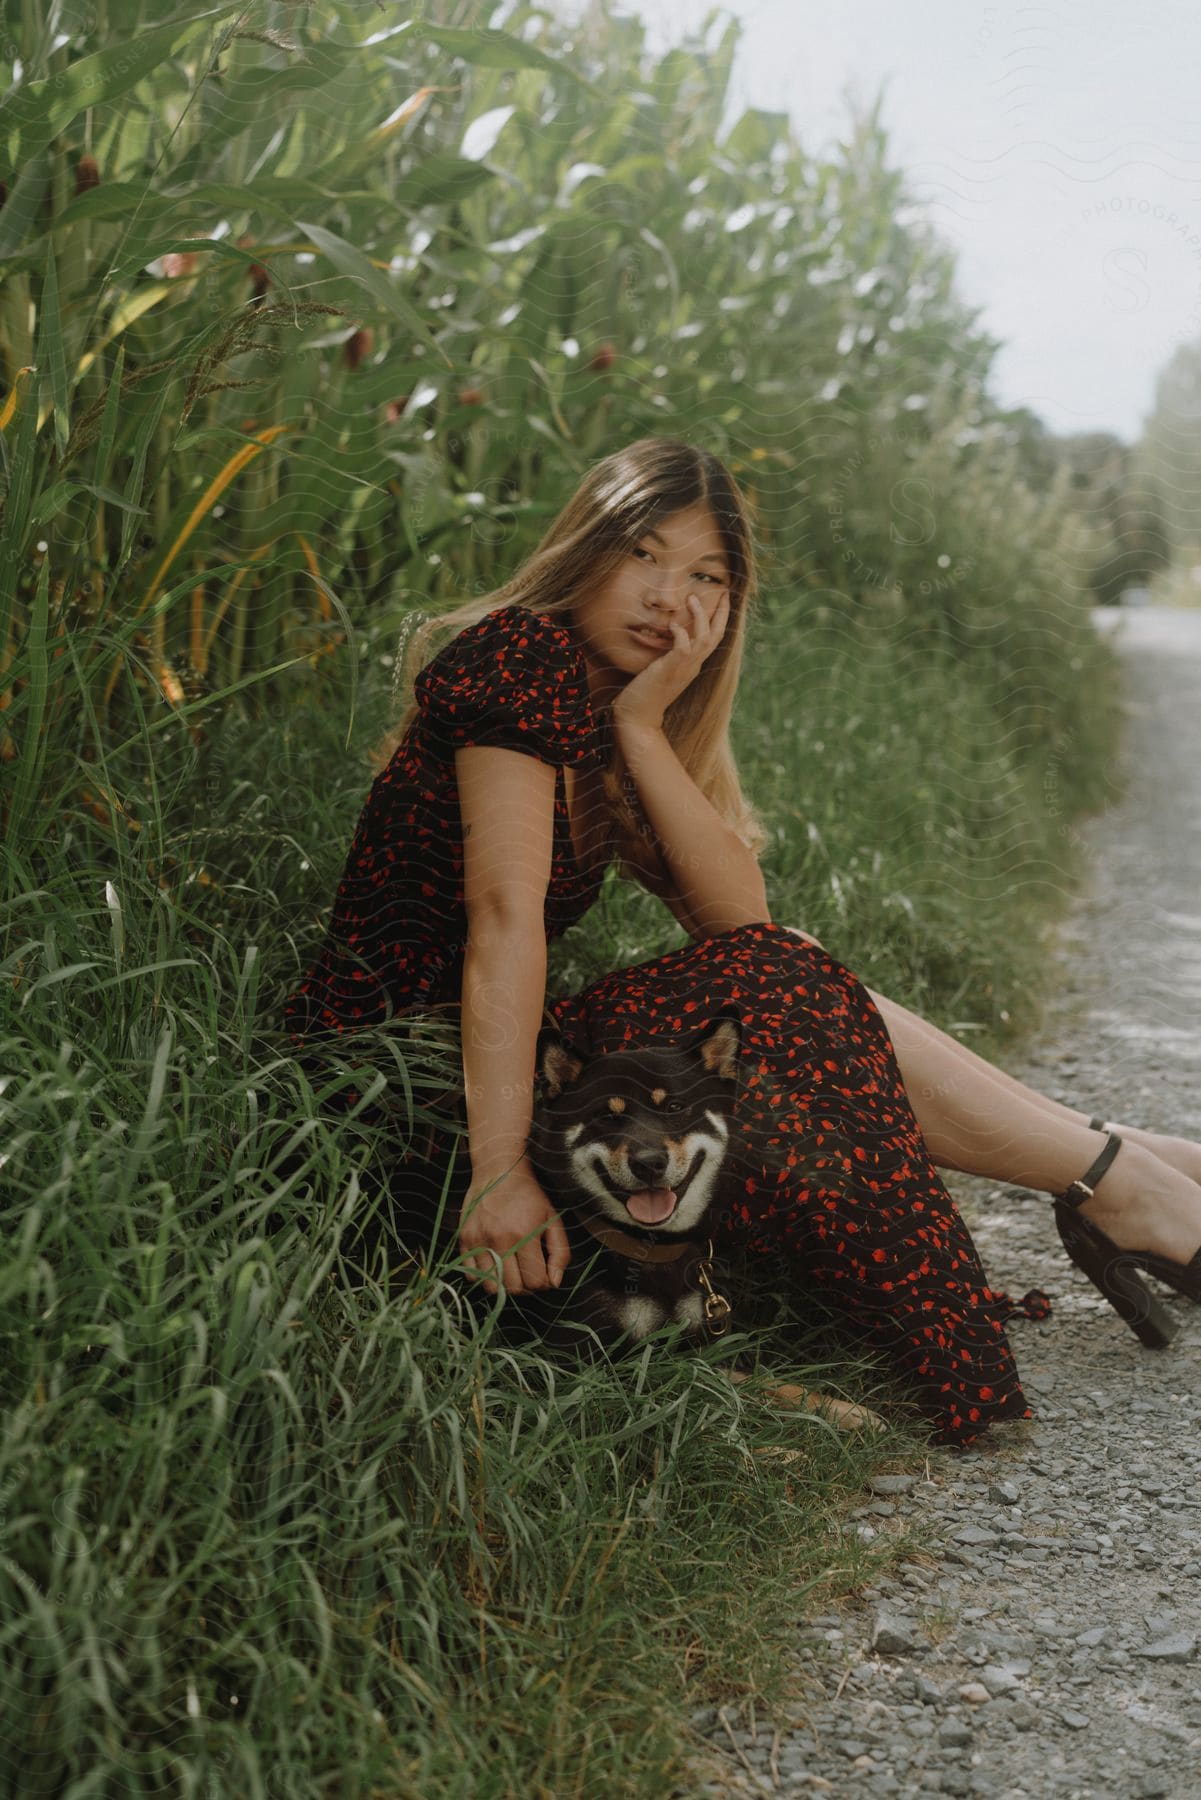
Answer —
52 354
32 753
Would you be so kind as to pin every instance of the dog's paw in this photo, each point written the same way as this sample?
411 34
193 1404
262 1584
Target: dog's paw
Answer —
842 1413
845 1415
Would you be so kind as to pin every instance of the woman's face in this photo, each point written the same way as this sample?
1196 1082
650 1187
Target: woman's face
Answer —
626 624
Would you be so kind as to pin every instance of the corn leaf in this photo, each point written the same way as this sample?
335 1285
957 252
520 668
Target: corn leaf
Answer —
36 113
23 205
350 261
493 49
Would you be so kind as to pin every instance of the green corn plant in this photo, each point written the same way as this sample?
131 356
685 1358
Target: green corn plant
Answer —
359 339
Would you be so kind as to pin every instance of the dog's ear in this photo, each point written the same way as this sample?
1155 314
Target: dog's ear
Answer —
719 1047
555 1063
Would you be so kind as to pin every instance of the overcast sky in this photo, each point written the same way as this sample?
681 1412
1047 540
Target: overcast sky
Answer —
1051 145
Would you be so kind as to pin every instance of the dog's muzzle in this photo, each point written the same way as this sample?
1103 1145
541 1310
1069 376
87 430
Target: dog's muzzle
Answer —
654 1205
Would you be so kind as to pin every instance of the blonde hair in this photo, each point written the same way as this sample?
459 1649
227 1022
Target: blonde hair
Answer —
616 503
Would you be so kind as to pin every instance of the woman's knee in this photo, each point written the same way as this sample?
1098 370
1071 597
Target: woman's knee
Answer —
806 936
758 927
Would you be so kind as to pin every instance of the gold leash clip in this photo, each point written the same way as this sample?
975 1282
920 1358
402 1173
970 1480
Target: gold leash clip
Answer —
717 1307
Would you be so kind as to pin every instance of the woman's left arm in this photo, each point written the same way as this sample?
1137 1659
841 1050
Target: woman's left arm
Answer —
716 877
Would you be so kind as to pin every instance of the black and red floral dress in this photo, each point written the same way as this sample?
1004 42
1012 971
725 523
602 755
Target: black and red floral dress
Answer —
831 1165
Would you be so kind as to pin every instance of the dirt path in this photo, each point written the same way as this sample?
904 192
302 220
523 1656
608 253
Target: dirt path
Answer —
1047 1645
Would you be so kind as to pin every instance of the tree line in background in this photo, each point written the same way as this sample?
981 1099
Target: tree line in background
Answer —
1142 500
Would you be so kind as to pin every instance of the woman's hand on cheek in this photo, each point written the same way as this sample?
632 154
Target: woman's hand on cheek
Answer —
646 696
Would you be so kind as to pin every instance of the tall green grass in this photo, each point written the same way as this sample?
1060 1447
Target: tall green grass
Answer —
269 1519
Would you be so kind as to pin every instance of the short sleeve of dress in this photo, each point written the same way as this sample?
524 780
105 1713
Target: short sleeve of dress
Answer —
515 679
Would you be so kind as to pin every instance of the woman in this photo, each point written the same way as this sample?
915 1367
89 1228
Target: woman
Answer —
580 715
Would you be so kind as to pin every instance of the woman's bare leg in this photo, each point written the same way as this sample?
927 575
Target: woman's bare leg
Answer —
1180 1153
981 1121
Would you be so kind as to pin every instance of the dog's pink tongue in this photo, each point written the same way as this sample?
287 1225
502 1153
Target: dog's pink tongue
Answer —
650 1206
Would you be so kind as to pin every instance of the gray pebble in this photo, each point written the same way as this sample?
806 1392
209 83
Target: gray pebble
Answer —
953 1781
977 1536
998 1680
954 1733
1180 1647
893 1635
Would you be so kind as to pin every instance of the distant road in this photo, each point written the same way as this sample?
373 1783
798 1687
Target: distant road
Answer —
1146 852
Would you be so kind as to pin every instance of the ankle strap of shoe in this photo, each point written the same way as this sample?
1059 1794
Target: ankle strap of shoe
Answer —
1082 1188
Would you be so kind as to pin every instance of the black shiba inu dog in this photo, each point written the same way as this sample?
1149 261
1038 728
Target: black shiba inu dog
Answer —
634 1151
632 1148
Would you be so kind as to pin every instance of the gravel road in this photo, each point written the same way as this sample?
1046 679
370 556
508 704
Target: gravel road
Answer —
1046 1644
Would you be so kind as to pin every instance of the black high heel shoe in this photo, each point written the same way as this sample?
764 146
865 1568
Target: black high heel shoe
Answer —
1115 1272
